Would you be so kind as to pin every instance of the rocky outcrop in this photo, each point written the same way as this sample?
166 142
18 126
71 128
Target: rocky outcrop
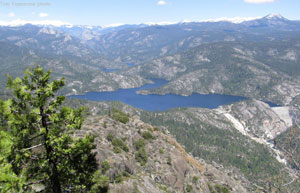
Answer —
257 119
169 168
259 122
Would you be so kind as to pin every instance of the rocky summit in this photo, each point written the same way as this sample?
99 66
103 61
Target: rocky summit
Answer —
146 159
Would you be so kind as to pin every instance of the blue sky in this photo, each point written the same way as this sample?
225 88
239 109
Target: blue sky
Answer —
105 12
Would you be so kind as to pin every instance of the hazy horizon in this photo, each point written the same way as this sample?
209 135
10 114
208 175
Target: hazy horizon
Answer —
116 12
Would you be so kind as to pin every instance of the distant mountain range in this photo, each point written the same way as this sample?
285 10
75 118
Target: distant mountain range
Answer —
88 32
139 43
56 23
166 51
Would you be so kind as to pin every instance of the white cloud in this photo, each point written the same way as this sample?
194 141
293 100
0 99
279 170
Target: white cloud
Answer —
11 14
162 3
259 1
43 14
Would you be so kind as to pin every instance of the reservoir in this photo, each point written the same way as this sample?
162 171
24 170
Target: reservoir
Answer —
154 102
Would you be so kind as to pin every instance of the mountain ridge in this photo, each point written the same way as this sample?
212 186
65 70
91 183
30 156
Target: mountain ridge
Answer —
213 135
60 24
168 168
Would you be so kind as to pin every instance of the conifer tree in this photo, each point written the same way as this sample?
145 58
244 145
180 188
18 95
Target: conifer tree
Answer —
40 150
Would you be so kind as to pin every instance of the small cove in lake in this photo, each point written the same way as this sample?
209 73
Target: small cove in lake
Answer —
155 102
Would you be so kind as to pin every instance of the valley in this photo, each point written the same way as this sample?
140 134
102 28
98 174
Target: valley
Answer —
220 98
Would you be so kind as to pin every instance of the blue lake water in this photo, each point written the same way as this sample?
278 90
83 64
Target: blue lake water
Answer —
154 102
131 64
110 69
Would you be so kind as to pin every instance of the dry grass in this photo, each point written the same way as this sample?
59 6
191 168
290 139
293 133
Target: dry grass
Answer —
189 158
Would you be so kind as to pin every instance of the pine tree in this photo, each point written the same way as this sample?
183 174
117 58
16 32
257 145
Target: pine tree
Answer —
40 151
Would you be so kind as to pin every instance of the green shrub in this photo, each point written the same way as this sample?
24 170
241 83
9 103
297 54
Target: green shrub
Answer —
163 188
104 166
218 189
195 179
119 116
147 135
101 183
161 151
169 160
189 188
141 156
210 187
139 144
117 149
110 136
222 189
118 143
119 178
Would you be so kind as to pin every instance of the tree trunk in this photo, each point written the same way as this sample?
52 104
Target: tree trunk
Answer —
55 184
54 176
